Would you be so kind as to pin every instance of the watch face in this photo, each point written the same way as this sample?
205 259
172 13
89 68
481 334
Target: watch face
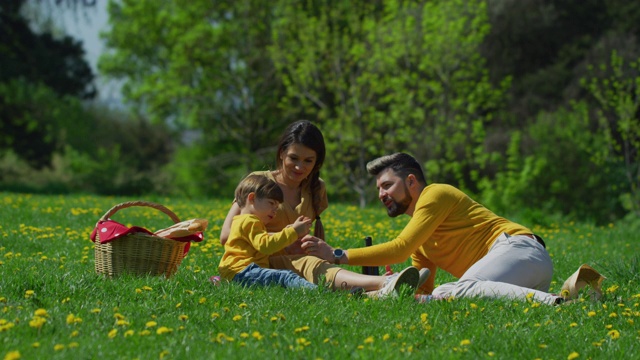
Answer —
338 253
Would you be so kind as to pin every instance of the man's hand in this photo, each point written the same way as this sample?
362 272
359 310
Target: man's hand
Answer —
317 247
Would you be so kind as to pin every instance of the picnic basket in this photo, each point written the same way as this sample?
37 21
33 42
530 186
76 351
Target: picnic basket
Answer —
138 253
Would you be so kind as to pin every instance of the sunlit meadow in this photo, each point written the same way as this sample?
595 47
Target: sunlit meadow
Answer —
53 305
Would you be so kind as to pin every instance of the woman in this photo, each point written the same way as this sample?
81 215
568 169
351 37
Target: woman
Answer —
300 155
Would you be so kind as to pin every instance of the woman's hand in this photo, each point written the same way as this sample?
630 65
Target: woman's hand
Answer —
317 247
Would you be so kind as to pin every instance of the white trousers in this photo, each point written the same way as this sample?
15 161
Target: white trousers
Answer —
514 267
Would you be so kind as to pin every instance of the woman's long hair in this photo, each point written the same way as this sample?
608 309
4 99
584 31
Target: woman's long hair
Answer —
303 132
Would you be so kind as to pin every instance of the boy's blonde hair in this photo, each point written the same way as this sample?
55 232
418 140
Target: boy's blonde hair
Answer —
262 186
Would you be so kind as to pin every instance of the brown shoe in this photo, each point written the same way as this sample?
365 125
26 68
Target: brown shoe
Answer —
585 275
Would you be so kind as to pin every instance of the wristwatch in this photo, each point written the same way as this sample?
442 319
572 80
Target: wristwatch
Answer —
337 255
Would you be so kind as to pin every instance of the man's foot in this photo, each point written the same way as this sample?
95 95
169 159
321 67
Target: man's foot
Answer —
585 275
409 276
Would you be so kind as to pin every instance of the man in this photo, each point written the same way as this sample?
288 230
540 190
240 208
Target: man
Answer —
491 256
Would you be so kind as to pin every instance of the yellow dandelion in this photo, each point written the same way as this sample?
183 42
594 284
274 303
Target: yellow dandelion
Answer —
465 342
150 324
163 353
28 293
144 333
573 324
35 344
244 335
386 337
58 347
612 315
183 317
112 333
122 323
242 305
12 355
163 330
72 319
129 333
73 345
202 300
216 315
37 322
613 334
237 318
612 289
491 354
542 346
591 314
147 288
41 312
138 291
369 340
423 317
74 333
118 316
95 311
256 335
573 355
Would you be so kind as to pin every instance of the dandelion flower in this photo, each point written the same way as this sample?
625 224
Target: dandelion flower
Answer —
237 317
58 347
183 317
368 340
465 342
614 334
256 335
150 324
113 333
163 330
591 313
73 345
216 315
41 312
573 355
37 322
12 355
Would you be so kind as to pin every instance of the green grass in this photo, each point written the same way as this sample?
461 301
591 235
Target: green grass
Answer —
47 262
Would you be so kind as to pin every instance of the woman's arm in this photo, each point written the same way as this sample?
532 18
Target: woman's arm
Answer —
226 226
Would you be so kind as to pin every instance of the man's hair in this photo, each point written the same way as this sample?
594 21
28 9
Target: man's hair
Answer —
402 165
262 186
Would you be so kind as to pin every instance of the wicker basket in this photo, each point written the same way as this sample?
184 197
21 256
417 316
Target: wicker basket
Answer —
139 253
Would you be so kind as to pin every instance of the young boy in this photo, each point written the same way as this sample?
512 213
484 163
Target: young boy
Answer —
246 252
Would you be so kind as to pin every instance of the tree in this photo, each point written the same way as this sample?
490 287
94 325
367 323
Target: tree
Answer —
41 79
616 89
388 76
201 65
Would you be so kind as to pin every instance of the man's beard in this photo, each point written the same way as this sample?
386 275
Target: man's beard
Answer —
400 207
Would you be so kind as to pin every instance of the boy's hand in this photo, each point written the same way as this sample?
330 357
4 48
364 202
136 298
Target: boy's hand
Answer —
302 225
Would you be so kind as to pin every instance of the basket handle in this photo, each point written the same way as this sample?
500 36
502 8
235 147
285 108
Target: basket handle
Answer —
127 204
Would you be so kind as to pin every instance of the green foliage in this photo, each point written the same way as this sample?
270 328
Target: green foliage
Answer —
386 77
47 263
618 110
201 65
37 121
554 173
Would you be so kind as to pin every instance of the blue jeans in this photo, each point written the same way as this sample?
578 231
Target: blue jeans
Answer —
255 275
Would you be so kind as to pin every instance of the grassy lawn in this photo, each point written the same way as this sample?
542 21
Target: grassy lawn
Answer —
54 306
